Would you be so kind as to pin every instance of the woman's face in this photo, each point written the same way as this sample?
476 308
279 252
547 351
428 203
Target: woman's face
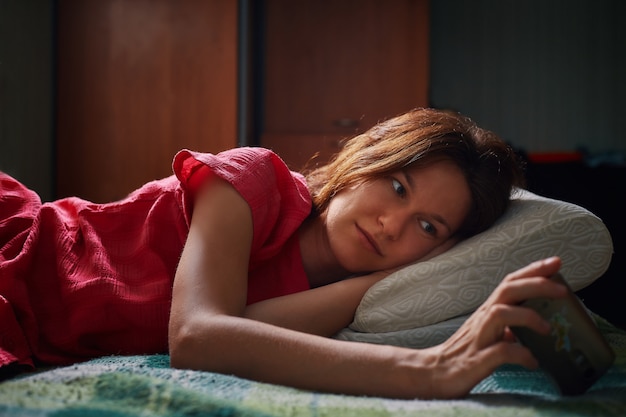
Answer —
395 220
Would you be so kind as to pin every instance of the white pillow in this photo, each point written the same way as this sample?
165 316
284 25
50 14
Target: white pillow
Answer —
458 281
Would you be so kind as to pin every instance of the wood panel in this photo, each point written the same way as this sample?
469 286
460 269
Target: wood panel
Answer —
338 67
304 151
137 81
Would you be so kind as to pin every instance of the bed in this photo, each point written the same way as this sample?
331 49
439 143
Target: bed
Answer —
418 306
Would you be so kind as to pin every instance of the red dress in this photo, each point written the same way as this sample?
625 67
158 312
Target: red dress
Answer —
80 280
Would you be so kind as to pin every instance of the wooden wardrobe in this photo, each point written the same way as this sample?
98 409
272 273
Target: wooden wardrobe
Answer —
335 68
138 80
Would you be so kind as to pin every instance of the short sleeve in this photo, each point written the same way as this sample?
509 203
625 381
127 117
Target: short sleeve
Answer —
279 198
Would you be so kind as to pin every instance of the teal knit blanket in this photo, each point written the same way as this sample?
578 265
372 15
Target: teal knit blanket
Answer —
146 386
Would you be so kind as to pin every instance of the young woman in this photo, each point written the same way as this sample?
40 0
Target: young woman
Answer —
237 265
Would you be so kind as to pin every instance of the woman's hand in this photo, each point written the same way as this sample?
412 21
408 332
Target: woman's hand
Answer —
485 341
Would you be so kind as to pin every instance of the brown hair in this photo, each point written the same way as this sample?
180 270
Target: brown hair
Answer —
418 138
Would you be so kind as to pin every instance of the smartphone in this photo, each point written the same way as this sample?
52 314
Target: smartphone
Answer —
574 354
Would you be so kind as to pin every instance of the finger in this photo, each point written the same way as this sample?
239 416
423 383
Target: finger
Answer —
509 336
509 353
544 267
520 290
501 317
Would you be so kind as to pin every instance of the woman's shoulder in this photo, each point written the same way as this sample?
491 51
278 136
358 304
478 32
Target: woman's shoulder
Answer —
241 157
278 198
232 164
257 173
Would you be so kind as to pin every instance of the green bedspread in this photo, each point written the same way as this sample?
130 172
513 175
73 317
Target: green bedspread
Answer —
145 385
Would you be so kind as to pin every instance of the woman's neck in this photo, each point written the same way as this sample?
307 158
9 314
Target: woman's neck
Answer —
319 262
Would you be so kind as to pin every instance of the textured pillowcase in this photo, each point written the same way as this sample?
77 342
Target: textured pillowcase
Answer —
456 282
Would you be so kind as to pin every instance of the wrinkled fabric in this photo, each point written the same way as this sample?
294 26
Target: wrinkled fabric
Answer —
80 280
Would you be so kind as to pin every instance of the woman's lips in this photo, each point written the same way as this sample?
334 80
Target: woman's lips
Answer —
369 241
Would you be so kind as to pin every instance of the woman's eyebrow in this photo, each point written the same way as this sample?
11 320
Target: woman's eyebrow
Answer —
435 216
408 178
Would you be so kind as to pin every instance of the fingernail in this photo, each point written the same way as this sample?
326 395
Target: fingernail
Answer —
550 260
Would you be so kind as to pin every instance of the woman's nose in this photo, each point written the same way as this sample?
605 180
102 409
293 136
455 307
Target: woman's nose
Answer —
394 223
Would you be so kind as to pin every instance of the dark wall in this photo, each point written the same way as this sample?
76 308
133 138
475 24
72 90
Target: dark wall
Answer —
26 93
545 75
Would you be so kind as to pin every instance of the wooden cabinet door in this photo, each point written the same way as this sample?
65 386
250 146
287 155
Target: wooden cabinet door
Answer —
137 81
335 68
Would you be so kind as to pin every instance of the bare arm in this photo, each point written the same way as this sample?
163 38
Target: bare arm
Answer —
212 329
322 311
209 330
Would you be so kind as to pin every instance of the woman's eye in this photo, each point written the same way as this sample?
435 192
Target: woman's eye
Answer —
428 227
398 187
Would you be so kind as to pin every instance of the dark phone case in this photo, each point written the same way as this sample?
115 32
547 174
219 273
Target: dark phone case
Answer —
574 353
